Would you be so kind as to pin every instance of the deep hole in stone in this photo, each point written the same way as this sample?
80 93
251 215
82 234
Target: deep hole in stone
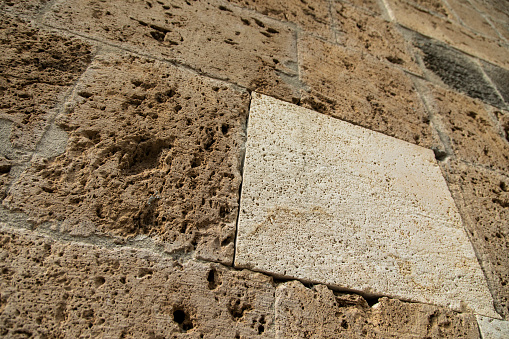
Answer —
372 301
179 316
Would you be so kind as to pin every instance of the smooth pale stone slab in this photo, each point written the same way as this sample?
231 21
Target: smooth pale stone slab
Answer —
327 201
493 328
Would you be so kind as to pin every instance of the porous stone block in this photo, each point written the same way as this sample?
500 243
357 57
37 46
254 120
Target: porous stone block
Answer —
482 197
36 68
358 30
457 71
493 328
357 87
449 32
473 132
152 150
67 290
318 312
495 9
311 16
327 201
369 5
472 18
24 8
212 37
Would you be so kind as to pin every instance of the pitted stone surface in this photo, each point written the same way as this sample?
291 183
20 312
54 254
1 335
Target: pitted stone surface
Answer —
67 290
354 86
318 312
358 30
474 135
326 201
35 68
213 37
482 197
493 328
152 150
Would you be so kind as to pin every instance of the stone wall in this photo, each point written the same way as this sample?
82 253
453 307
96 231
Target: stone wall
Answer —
123 128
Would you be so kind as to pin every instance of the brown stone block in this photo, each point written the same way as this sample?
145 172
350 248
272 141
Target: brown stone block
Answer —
152 150
35 68
494 9
472 18
311 16
52 289
358 88
370 5
358 30
318 312
482 197
27 8
450 32
212 37
474 135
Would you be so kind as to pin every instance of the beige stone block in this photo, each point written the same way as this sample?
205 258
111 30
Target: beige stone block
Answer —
358 88
482 197
212 37
496 10
371 5
326 201
450 32
358 30
493 328
36 69
68 290
311 16
473 132
472 18
153 150
318 312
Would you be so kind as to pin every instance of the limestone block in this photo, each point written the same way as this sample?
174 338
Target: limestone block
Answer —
212 37
457 71
493 328
152 150
449 32
36 67
369 5
495 10
23 8
326 201
356 87
317 312
483 199
473 133
500 78
68 290
311 16
472 18
358 30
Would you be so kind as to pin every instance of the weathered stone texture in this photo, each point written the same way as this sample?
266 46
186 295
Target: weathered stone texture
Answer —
311 16
370 5
471 18
66 290
35 67
474 135
358 88
483 200
213 37
449 32
457 70
493 328
326 201
317 312
358 30
500 78
152 150
28 8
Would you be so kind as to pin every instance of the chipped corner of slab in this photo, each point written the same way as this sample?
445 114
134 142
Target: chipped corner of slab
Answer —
327 201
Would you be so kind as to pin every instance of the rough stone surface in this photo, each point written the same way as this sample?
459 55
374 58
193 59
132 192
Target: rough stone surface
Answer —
449 32
364 32
35 68
457 71
370 5
212 37
27 8
483 200
152 150
326 201
358 88
472 131
493 328
494 9
470 17
317 312
311 16
66 290
500 78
